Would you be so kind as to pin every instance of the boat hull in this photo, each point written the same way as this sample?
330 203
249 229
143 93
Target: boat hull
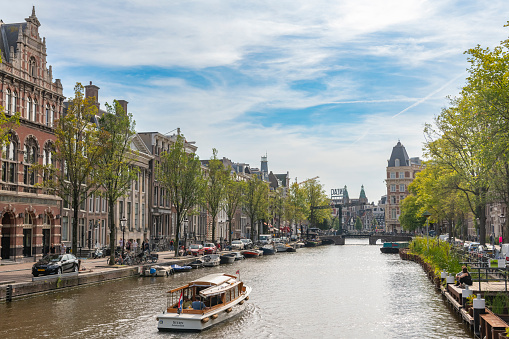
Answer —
173 322
389 250
227 259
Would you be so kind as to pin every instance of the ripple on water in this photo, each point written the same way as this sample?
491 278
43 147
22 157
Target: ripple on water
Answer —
350 291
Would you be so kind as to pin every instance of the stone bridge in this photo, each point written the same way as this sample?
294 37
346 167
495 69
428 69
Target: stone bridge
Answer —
329 239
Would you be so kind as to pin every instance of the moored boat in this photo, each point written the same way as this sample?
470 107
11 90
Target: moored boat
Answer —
198 263
211 260
393 247
252 253
179 269
268 250
216 298
313 243
238 256
227 258
157 271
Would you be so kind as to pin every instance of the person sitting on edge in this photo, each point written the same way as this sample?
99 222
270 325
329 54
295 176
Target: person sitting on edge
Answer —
463 277
187 303
197 305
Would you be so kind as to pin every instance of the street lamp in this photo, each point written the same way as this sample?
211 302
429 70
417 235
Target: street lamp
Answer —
123 222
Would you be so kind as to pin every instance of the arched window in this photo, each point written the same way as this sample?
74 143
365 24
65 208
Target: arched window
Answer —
28 219
48 118
8 102
31 154
34 110
29 109
9 160
14 102
52 116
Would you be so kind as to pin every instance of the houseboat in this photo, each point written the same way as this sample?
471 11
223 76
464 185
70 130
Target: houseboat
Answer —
393 247
216 298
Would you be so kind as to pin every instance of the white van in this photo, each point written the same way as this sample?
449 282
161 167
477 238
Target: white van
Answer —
504 251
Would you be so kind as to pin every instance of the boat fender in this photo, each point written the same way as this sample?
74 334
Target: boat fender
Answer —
241 302
229 310
247 298
204 320
214 316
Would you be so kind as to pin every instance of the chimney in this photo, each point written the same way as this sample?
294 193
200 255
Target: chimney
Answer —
123 104
92 91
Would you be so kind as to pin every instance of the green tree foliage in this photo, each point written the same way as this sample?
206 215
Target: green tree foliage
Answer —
180 174
217 176
316 197
255 202
295 205
77 151
234 195
411 217
358 224
116 162
7 125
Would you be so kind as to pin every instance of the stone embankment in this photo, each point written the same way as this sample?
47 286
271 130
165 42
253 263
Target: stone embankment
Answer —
96 271
481 320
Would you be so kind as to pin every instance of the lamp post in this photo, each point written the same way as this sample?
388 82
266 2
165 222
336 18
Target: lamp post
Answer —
427 215
123 222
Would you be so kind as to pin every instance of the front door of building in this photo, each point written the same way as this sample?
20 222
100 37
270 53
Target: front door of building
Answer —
6 243
45 241
27 242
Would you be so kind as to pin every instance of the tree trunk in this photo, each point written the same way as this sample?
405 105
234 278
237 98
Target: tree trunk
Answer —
177 232
74 245
230 230
111 225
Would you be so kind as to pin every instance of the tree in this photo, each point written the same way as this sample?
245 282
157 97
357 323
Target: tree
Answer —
255 201
295 209
234 194
316 197
77 152
458 145
276 206
217 176
181 175
358 224
7 125
117 173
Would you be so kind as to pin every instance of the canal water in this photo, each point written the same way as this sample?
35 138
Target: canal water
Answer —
350 291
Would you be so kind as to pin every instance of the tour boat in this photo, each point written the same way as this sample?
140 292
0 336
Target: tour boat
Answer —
393 247
210 260
222 295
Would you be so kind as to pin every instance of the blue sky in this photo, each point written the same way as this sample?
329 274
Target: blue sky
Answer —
325 88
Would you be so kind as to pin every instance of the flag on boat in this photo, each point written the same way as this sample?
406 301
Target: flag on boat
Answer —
179 307
238 272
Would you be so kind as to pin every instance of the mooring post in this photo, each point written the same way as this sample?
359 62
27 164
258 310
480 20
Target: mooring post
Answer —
465 293
479 308
8 293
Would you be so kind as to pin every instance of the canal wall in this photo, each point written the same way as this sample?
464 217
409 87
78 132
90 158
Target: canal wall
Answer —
482 321
55 283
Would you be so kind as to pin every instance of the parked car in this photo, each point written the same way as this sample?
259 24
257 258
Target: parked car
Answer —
248 244
237 245
210 248
55 264
196 250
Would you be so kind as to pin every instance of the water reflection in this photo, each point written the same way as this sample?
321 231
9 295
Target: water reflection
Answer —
350 291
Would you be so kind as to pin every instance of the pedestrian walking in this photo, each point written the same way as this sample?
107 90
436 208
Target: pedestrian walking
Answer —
135 245
171 245
63 248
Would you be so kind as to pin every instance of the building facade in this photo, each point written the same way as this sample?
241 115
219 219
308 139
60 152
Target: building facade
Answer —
30 216
401 171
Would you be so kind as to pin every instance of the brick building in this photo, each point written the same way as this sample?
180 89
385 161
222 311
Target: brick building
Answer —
30 217
401 171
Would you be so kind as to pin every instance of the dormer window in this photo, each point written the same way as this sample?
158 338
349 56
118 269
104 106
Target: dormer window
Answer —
396 163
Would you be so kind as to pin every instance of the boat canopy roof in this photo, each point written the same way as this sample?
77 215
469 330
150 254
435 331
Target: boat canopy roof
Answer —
213 279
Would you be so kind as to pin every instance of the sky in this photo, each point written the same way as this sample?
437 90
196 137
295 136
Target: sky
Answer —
323 88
